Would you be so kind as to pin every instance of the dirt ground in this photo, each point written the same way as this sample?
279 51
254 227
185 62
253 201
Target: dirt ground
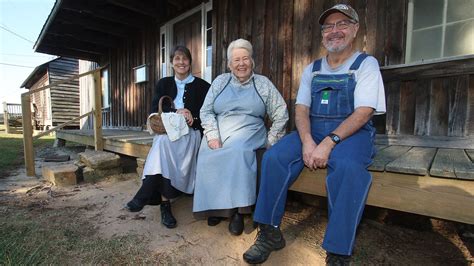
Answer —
384 237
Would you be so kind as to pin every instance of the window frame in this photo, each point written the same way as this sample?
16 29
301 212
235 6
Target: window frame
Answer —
443 25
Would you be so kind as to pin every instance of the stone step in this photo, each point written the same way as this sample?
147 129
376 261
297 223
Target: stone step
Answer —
100 159
61 174
91 175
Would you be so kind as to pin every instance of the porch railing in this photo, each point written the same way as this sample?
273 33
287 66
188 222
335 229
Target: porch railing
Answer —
28 127
10 111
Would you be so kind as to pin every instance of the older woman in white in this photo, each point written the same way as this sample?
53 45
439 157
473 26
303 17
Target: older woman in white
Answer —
233 117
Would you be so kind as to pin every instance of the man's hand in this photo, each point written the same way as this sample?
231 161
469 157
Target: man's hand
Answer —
308 149
320 155
187 115
214 144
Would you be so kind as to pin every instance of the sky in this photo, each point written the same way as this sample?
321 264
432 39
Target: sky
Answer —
21 22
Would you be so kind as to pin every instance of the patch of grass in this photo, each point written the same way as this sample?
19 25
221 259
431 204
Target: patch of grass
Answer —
11 155
64 236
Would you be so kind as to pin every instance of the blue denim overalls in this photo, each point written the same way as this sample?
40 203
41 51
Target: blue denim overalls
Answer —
348 179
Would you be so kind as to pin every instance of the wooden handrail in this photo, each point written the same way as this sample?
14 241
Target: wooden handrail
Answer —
63 81
28 127
62 125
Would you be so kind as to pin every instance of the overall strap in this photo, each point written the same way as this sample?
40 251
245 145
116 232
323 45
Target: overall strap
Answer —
260 96
358 61
317 65
230 78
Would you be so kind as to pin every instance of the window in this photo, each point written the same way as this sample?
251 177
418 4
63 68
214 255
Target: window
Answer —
105 88
439 28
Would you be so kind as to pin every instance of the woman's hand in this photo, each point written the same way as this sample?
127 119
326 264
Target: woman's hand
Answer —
214 144
187 115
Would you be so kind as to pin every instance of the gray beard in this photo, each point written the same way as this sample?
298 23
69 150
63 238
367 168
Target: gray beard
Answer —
335 49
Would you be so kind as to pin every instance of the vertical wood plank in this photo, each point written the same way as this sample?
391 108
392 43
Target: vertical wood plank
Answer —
458 88
372 16
422 107
438 119
284 38
392 93
471 106
5 118
28 149
246 19
271 47
99 144
258 34
396 18
407 109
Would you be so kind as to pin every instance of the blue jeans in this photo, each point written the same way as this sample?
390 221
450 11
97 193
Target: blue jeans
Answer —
347 183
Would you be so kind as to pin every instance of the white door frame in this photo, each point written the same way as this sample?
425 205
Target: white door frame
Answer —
167 31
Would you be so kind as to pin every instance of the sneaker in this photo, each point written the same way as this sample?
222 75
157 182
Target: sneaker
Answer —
167 218
333 259
269 238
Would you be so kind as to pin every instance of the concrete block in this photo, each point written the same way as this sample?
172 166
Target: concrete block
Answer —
100 159
140 172
61 174
140 162
93 175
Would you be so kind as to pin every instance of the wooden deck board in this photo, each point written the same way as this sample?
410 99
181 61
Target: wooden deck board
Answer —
386 156
452 163
470 153
426 141
416 161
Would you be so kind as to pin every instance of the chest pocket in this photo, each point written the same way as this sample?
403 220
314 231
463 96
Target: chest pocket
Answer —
332 95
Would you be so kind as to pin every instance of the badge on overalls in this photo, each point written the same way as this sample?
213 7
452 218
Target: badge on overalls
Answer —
325 97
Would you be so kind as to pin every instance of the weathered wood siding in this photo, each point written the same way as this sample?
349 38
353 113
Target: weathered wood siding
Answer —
431 99
286 37
40 100
130 102
86 88
64 97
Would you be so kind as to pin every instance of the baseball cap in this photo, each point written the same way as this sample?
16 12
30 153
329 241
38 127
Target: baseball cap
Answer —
342 8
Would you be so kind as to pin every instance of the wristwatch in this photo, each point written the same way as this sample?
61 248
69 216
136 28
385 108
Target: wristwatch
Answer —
335 138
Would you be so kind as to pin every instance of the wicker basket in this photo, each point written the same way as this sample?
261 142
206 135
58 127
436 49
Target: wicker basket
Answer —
156 123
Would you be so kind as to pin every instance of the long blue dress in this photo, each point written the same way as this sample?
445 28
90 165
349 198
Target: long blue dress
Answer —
226 177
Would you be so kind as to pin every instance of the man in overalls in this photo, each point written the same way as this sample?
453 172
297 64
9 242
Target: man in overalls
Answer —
337 97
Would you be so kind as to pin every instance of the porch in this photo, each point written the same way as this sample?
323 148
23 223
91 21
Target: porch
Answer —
409 174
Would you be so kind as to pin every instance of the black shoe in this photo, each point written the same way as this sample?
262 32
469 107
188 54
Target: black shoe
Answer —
167 218
269 238
213 220
333 259
135 205
236 224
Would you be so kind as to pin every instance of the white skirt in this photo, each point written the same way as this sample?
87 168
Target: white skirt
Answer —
175 160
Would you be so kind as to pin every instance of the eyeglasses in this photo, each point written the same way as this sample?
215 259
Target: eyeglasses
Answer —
340 25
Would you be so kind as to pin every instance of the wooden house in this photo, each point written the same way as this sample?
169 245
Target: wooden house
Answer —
424 49
59 104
